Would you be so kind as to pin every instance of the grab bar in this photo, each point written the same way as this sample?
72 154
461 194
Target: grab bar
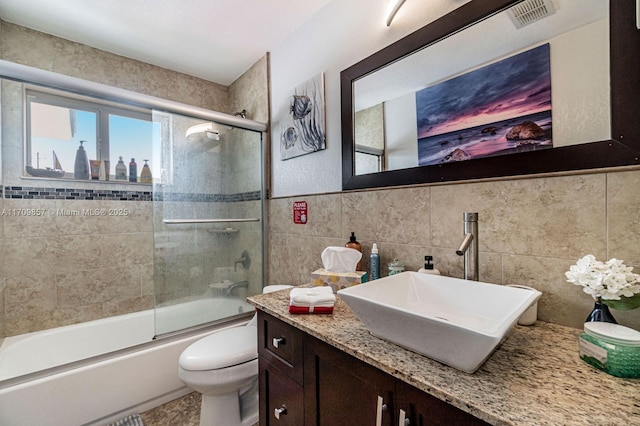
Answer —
185 221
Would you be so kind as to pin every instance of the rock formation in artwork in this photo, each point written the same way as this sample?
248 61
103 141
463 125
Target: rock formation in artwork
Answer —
456 155
526 130
490 129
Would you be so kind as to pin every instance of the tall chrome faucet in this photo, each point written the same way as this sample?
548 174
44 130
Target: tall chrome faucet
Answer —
469 247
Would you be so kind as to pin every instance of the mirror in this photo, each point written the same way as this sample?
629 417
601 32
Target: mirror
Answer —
394 98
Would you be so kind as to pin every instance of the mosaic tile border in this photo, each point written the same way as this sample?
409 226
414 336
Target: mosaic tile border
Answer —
35 193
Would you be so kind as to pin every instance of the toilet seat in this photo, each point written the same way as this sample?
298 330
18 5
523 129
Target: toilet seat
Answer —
223 349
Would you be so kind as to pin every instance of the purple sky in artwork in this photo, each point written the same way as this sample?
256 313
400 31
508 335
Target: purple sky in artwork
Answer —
512 87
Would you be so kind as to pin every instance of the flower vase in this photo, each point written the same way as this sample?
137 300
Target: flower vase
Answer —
601 313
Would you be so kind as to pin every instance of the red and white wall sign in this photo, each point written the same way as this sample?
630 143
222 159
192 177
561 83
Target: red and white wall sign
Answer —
300 214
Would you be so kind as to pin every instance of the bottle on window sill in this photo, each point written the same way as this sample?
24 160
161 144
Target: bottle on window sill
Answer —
81 166
121 170
145 174
133 171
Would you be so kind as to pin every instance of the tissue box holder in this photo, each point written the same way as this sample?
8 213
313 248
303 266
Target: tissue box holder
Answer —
338 281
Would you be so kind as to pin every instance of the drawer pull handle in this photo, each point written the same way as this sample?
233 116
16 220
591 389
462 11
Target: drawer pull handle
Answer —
379 409
277 341
403 421
280 411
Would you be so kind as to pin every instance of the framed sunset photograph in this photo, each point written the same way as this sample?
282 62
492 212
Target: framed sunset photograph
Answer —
501 108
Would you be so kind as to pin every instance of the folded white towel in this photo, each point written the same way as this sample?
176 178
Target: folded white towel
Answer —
306 304
314 296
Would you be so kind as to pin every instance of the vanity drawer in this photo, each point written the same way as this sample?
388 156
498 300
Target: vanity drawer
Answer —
281 345
281 398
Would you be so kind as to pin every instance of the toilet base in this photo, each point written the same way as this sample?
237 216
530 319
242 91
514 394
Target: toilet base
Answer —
229 409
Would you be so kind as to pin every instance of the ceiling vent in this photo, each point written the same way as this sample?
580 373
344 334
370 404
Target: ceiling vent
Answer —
530 11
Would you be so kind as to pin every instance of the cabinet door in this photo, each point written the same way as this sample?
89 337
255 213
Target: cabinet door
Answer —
422 409
280 344
342 390
281 398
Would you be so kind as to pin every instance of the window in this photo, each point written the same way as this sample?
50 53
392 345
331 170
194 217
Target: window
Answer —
59 124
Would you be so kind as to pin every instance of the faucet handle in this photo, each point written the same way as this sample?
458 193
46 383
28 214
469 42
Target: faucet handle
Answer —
244 260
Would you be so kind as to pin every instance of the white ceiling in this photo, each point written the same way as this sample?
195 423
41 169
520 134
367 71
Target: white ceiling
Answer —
216 40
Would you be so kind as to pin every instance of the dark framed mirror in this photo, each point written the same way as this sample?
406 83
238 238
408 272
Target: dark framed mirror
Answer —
597 148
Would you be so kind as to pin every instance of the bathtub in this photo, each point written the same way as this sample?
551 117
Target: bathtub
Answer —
127 372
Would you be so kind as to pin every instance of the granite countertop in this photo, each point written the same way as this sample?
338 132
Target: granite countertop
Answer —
534 378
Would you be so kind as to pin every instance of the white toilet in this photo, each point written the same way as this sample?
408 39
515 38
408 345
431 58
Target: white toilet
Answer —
224 368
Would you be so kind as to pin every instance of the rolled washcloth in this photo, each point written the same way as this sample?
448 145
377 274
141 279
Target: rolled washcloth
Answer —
314 300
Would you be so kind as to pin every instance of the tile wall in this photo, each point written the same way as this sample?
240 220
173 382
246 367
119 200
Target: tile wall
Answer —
250 92
63 269
531 231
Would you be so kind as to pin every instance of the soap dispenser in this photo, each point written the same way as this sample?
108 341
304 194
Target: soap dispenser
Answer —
145 175
353 244
428 267
81 166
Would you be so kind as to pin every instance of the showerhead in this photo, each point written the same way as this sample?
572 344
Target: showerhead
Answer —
205 130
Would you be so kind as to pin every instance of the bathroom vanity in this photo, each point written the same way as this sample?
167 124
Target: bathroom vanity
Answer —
329 370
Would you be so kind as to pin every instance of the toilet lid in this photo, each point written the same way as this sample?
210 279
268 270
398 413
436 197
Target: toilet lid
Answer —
222 349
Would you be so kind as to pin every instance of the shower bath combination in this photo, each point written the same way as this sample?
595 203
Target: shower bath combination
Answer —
206 213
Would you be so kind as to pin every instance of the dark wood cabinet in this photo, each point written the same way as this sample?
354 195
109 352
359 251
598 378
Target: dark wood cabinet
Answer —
281 398
344 390
280 372
305 381
417 408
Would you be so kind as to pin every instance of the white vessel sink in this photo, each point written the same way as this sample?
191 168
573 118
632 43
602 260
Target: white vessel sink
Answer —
454 321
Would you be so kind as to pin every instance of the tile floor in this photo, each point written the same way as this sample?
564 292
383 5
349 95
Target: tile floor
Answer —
183 411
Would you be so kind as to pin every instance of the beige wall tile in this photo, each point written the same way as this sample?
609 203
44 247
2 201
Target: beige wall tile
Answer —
77 217
561 302
2 275
400 216
324 216
79 60
38 318
560 217
78 288
250 92
125 306
292 258
531 231
27 47
3 330
146 280
623 216
12 120
369 127
104 264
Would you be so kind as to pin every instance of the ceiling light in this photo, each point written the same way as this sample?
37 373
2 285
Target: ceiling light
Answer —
392 9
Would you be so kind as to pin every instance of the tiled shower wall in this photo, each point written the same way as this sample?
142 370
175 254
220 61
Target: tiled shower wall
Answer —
59 270
530 232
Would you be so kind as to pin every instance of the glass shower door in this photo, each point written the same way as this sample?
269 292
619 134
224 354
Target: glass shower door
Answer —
208 222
